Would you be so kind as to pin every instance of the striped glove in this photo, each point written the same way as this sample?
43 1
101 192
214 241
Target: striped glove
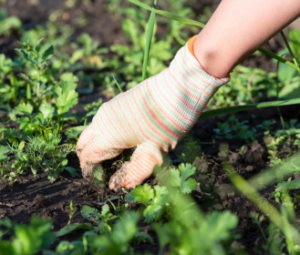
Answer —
154 116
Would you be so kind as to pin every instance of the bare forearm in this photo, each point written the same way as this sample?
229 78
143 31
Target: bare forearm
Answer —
238 28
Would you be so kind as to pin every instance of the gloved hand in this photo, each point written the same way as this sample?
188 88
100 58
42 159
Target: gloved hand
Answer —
153 116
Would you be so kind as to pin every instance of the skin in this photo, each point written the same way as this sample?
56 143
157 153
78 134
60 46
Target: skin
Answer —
238 28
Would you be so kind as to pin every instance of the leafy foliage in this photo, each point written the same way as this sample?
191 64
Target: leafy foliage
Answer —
27 239
180 179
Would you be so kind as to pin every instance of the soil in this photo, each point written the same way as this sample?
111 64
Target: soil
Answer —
37 196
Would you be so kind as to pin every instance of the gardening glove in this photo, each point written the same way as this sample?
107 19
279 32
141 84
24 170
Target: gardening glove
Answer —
154 116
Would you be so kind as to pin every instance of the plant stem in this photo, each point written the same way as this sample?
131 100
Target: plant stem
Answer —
148 41
38 84
273 55
28 91
290 50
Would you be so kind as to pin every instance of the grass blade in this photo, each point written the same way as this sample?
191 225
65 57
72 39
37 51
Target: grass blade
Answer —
148 41
199 24
248 191
290 50
234 109
275 56
169 14
119 87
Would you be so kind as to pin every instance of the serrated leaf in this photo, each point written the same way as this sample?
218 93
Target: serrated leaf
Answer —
142 194
153 212
47 110
188 186
174 178
186 170
67 97
25 108
217 225
161 195
178 178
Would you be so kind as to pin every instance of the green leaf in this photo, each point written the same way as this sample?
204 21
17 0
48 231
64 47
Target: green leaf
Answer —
295 41
25 108
3 149
217 225
47 110
70 228
178 178
153 212
99 184
295 184
286 73
186 170
38 45
68 77
67 96
21 146
142 194
72 171
99 173
161 195
188 186
174 178
291 90
105 210
78 54
150 27
90 213
48 53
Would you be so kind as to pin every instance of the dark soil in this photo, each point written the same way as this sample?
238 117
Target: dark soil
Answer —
37 196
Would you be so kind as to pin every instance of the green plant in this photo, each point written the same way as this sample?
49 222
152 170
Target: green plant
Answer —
38 59
27 240
180 178
233 128
118 239
105 217
21 158
9 24
155 199
266 125
58 161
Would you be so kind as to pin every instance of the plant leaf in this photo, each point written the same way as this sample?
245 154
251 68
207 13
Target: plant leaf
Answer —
72 171
48 53
70 228
142 194
25 108
47 110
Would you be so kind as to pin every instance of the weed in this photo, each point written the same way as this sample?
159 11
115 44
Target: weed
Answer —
235 129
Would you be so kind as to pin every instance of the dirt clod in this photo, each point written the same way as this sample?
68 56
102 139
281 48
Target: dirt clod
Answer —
40 201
